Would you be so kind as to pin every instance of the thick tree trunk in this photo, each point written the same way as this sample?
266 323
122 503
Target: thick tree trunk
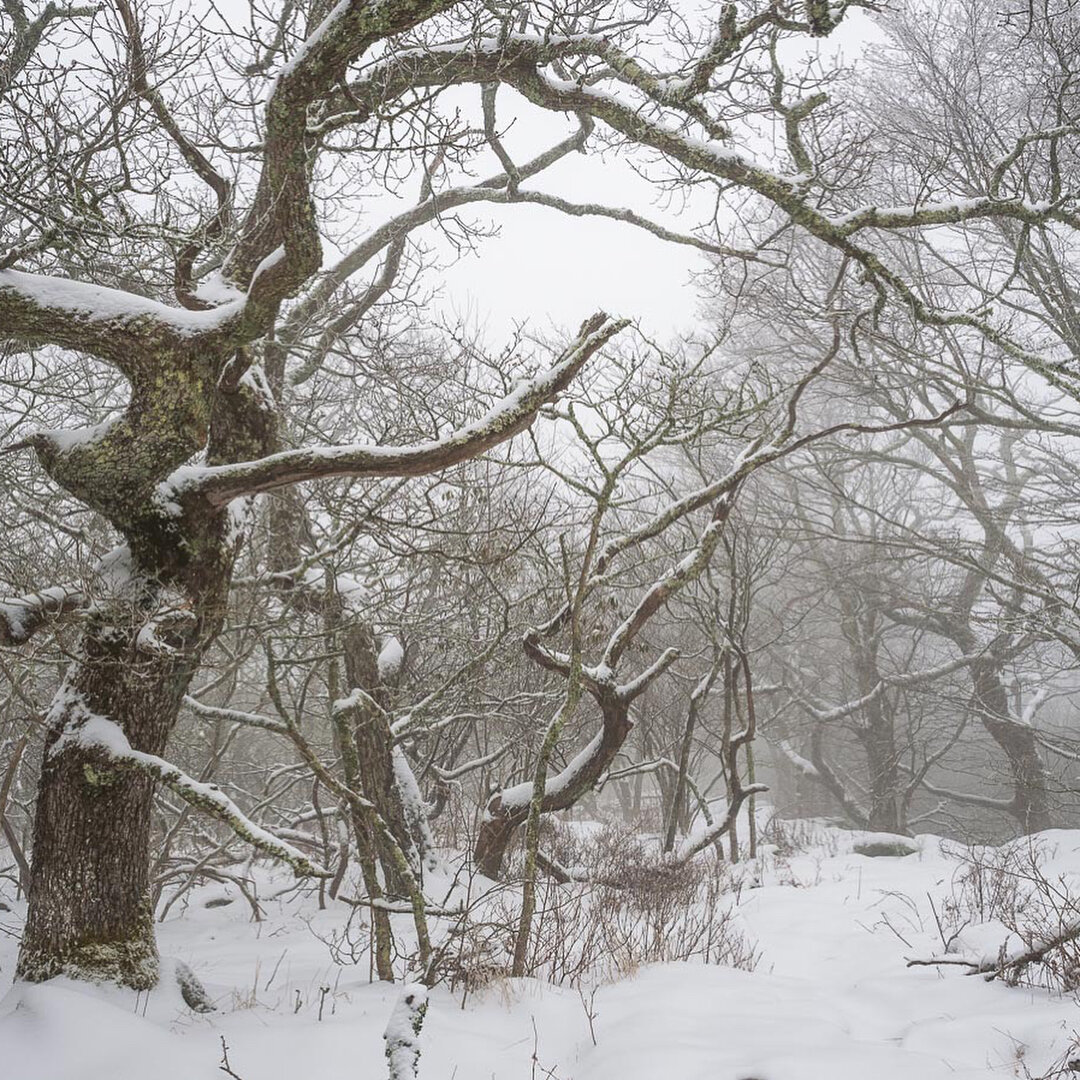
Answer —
158 604
1030 804
860 625
191 395
886 789
90 913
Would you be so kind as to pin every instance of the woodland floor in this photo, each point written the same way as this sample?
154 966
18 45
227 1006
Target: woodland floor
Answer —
830 999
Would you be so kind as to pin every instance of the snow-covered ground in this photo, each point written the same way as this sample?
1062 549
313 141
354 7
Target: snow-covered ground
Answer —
830 999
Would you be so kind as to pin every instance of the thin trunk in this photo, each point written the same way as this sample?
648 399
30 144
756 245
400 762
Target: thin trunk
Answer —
677 809
732 770
532 832
375 752
752 779
382 938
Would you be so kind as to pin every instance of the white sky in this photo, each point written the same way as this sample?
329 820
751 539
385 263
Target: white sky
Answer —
554 269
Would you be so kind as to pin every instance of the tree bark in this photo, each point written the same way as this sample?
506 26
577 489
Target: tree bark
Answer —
501 821
90 914
860 624
886 795
374 750
159 604
1031 801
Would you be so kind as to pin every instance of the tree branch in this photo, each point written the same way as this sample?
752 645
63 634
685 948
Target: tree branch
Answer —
218 485
100 734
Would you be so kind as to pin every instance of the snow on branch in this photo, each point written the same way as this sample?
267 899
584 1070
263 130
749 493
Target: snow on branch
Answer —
38 309
22 616
819 770
801 764
518 797
640 683
220 484
532 67
235 716
900 680
952 212
449 775
987 802
90 731
697 843
402 1033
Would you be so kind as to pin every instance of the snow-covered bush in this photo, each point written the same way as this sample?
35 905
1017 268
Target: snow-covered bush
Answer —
1014 912
785 837
630 908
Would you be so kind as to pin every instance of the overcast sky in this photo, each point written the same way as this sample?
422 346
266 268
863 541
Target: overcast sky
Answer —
553 269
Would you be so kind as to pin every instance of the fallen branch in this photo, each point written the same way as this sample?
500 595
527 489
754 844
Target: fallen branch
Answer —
997 968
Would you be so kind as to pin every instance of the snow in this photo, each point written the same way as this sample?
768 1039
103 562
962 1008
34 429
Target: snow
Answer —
215 289
831 998
268 263
97 303
942 210
320 31
14 609
353 592
1031 709
958 205
402 1032
354 699
148 639
240 519
391 657
116 570
802 764
417 812
722 156
65 439
358 456
12 612
255 379
85 728
521 794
